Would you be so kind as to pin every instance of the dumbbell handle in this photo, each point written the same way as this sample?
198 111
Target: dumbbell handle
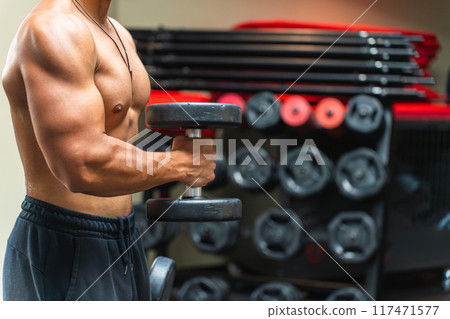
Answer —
193 191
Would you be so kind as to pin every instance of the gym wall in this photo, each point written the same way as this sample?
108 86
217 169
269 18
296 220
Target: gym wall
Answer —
12 186
417 14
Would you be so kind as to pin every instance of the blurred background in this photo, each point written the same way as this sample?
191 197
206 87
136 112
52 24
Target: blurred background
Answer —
429 16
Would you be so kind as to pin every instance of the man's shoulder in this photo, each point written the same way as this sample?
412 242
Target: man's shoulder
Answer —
122 30
48 31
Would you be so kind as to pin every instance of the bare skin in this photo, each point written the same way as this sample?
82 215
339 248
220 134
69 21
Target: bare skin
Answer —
73 106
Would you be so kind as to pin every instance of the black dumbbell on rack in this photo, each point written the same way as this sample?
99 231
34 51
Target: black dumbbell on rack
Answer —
348 294
204 289
250 173
262 112
305 178
214 237
364 115
277 235
360 174
353 237
276 291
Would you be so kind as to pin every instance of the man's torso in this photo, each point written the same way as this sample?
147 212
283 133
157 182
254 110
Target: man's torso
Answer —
123 100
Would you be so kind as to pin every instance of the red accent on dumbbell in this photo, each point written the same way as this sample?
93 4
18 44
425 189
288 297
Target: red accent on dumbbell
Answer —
296 111
330 113
232 98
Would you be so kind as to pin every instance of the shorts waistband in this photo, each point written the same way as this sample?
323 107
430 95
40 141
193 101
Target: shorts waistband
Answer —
76 223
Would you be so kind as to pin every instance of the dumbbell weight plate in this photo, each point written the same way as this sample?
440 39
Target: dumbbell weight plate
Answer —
242 174
194 209
360 174
214 237
204 289
262 111
232 98
276 291
365 114
330 113
347 294
162 277
153 234
352 237
296 111
276 235
192 115
307 178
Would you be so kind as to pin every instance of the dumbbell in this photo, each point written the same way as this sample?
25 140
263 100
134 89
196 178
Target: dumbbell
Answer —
204 289
360 174
232 98
276 235
307 178
262 111
296 113
276 291
330 114
214 237
193 117
154 234
162 277
352 237
365 114
347 294
247 168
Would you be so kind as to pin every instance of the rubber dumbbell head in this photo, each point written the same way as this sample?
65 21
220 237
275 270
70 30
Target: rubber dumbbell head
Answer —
232 98
277 235
348 294
352 237
262 111
360 174
296 111
213 237
162 277
303 179
248 170
204 289
276 291
330 113
365 114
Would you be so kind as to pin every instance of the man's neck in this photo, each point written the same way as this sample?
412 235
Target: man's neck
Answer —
97 9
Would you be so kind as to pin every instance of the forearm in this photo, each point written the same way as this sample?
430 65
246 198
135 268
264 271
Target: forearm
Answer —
115 168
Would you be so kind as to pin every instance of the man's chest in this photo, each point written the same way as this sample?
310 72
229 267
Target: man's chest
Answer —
124 95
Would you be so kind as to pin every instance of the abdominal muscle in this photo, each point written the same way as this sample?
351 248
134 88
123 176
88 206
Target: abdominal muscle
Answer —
41 184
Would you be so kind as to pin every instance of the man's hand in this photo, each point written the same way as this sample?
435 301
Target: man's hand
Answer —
199 168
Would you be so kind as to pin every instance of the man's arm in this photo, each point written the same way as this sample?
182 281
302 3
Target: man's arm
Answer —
68 118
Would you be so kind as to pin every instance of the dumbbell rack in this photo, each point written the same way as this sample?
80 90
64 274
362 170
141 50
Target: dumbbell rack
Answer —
238 62
375 206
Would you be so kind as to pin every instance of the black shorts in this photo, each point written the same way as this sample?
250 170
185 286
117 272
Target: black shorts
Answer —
58 254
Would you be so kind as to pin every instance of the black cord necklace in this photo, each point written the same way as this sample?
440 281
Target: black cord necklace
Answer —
125 59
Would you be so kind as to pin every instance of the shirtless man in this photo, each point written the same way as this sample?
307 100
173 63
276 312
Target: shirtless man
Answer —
74 104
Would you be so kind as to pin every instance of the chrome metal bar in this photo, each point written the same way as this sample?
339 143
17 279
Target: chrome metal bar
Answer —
193 191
